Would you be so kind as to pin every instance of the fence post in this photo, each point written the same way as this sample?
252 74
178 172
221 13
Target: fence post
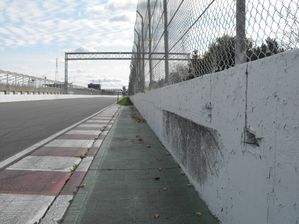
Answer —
66 73
139 66
136 68
150 42
7 87
142 47
240 45
139 69
166 41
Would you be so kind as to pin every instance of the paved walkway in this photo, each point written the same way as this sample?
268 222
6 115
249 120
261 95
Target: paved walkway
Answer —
134 180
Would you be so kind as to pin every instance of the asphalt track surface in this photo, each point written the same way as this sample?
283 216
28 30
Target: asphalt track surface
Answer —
23 124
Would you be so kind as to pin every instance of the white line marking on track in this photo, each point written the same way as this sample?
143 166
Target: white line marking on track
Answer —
91 126
70 143
85 164
84 132
97 143
46 163
20 209
57 210
92 121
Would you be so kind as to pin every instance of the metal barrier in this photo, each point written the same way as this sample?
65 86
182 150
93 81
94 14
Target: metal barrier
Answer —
11 82
15 83
217 34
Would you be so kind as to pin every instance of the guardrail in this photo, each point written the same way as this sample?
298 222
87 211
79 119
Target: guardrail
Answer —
16 83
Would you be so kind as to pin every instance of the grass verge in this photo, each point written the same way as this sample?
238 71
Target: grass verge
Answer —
125 101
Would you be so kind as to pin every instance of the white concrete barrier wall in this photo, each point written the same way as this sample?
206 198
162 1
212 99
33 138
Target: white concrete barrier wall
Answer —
31 97
253 184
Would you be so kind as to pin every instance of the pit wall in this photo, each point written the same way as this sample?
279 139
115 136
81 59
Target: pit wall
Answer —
236 135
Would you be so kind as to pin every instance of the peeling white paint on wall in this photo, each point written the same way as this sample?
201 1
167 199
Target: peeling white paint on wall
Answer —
257 182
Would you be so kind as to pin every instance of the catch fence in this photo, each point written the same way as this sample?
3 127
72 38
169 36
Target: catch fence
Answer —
210 35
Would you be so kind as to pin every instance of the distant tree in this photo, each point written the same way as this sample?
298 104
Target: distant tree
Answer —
221 55
270 47
179 74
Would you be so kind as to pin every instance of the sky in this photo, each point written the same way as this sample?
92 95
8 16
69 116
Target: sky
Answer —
33 33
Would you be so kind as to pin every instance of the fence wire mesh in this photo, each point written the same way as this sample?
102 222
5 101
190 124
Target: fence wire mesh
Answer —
212 35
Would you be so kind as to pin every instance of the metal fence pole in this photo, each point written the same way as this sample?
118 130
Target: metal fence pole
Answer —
142 47
240 45
150 42
136 68
166 41
66 73
139 68
7 87
143 63
136 73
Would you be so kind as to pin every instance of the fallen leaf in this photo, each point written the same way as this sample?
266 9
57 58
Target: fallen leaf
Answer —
157 178
60 221
198 213
189 185
81 185
157 215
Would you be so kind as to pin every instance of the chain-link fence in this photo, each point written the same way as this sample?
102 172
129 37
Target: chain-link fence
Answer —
177 40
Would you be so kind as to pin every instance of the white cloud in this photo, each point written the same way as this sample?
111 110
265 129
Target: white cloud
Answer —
2 5
45 21
124 4
120 18
84 49
86 25
96 9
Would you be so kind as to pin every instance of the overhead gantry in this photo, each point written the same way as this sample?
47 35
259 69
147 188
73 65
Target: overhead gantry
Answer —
142 56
